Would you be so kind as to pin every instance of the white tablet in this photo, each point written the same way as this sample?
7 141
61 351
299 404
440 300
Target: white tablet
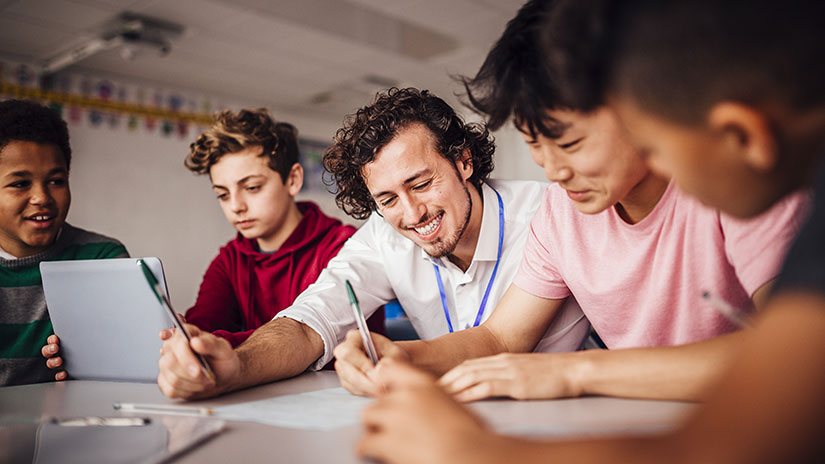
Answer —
106 317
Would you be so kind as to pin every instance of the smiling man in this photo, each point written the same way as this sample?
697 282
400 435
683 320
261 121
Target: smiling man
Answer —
441 238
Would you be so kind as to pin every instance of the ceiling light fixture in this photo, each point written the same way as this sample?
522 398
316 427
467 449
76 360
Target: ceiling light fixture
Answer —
132 32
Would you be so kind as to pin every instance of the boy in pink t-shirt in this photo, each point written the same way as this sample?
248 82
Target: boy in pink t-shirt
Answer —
640 284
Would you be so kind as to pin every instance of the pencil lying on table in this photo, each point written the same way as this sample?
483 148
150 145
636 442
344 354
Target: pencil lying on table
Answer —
164 409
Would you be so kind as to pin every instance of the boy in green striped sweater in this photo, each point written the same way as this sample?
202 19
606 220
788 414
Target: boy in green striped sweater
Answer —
34 201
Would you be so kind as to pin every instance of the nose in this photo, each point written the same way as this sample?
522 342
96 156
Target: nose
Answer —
413 209
555 169
237 204
40 195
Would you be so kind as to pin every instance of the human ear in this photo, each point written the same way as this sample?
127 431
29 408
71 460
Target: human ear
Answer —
465 164
295 179
747 131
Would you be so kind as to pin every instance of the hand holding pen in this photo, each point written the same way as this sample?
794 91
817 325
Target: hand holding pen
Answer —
181 376
357 355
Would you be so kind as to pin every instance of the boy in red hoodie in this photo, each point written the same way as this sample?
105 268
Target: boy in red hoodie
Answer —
282 245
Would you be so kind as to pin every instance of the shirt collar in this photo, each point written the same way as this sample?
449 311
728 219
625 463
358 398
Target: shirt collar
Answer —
487 246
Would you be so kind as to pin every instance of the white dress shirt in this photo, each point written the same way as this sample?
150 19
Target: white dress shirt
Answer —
383 265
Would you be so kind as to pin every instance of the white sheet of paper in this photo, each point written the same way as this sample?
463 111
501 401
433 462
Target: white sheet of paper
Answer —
327 409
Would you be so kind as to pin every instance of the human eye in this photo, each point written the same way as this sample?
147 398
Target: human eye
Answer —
253 188
571 145
221 196
531 141
423 185
58 181
21 184
386 202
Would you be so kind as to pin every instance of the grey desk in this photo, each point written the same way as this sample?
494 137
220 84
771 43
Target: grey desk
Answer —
246 442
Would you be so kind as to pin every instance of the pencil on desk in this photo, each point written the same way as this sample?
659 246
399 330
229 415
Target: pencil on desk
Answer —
164 409
732 314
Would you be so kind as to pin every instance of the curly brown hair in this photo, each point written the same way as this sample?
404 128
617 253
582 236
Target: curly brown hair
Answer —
372 127
233 132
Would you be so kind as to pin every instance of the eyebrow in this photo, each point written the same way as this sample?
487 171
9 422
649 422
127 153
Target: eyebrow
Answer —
24 173
240 182
407 181
557 129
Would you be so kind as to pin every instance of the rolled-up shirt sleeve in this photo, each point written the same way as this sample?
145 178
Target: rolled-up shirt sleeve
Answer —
324 306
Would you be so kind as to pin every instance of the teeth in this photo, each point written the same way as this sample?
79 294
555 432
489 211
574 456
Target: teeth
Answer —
41 218
429 228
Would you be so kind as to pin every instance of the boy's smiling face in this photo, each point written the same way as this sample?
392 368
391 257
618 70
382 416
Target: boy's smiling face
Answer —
34 196
593 160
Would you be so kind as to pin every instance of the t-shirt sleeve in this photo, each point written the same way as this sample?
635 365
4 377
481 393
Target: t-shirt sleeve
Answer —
804 268
756 247
537 274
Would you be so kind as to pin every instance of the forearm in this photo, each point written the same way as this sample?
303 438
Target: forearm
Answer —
678 373
441 354
279 349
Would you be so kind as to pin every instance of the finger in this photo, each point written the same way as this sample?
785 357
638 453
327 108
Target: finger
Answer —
353 379
210 345
462 377
49 350
174 379
52 339
54 363
182 318
62 375
166 334
179 360
477 364
391 374
479 391
352 351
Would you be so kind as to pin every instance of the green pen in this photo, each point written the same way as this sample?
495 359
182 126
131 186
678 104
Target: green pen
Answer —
362 325
167 305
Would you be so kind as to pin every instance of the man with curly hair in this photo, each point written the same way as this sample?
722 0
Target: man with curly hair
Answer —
441 238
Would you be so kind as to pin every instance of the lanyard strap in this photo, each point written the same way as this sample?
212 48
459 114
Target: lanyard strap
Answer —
492 277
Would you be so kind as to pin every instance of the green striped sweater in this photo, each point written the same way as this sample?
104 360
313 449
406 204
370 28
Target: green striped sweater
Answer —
24 319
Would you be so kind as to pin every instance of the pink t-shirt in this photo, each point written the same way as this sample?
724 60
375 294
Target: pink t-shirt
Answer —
641 284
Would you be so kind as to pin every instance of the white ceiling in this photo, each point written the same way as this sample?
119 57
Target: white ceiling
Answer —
318 58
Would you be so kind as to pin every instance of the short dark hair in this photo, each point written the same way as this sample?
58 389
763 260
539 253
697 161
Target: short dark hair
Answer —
372 127
677 58
232 132
29 121
515 79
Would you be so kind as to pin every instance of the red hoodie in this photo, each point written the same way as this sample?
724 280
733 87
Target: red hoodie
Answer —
244 288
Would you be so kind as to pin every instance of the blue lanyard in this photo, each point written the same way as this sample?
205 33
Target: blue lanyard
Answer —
492 277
